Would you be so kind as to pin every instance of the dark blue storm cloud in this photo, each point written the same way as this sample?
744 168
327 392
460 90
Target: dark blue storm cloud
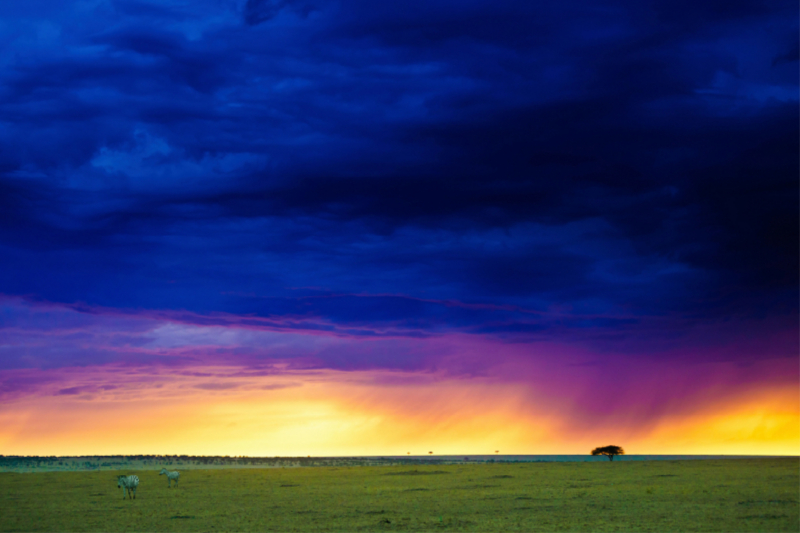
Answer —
489 167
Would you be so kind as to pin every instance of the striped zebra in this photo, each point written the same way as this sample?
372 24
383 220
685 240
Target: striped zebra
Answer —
171 476
128 485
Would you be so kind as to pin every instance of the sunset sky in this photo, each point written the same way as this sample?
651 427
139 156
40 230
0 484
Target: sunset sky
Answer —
349 227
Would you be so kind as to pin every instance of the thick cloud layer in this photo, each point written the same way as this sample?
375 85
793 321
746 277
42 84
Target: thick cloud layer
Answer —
582 170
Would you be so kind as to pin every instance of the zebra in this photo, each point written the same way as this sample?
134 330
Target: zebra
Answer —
171 476
128 485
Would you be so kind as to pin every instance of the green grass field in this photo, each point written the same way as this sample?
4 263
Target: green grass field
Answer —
693 495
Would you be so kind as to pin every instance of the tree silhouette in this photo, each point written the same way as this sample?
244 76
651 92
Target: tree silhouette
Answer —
609 451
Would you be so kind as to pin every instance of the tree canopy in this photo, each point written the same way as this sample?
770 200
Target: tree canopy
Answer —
609 451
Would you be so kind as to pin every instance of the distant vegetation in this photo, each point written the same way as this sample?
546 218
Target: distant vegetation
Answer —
116 462
609 451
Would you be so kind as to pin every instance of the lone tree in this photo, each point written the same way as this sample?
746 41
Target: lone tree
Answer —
609 451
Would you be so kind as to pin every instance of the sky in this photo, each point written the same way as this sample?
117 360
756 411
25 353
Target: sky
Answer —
341 227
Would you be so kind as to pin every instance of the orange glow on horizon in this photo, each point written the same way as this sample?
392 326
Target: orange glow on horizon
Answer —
333 413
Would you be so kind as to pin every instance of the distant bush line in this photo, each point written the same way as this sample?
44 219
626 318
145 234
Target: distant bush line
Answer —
119 462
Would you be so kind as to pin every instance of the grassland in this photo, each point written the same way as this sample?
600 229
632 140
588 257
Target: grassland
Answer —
700 495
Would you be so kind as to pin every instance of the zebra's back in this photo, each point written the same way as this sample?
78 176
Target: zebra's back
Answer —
129 482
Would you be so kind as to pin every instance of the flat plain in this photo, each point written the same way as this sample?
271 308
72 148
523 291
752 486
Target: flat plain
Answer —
758 494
